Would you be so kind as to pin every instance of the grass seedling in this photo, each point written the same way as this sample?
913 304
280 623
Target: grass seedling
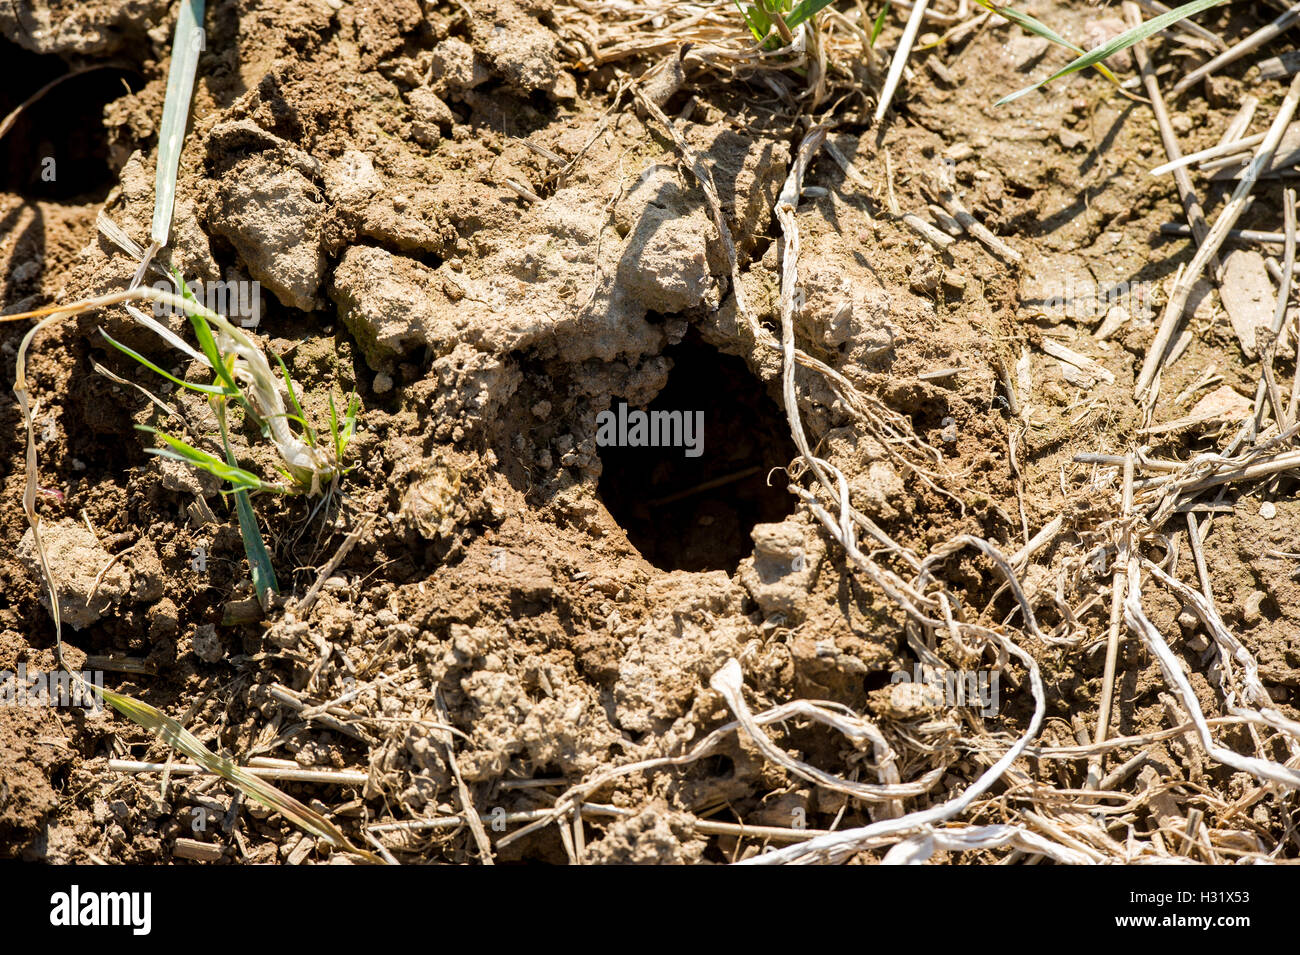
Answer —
878 25
341 430
164 727
1095 57
761 16
242 377
785 16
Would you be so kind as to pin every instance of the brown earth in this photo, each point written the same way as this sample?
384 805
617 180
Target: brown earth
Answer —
563 607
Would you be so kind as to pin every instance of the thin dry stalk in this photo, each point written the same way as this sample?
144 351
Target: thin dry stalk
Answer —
1277 328
1218 233
1120 586
1236 52
946 192
1192 210
1231 148
899 60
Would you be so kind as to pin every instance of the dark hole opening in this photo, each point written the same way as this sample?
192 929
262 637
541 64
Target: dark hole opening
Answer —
719 767
57 148
877 680
696 513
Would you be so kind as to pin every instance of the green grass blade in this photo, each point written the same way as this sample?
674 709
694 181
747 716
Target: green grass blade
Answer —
259 560
1034 26
805 10
235 476
342 433
350 420
178 450
187 44
289 416
210 390
203 332
1037 27
878 25
208 342
334 430
1119 43
166 334
756 19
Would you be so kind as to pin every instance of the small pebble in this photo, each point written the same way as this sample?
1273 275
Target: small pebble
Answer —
1250 614
1070 139
1268 510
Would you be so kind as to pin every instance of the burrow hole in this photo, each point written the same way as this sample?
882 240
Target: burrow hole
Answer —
696 513
57 149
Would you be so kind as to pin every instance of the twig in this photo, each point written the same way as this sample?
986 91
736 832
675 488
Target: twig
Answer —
946 192
289 698
899 60
1188 26
1124 770
599 810
706 486
1198 556
940 240
7 123
1243 235
520 190
1214 152
340 777
1120 586
136 665
1226 220
309 598
1276 327
196 851
1186 194
1239 123
466 800
1234 53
